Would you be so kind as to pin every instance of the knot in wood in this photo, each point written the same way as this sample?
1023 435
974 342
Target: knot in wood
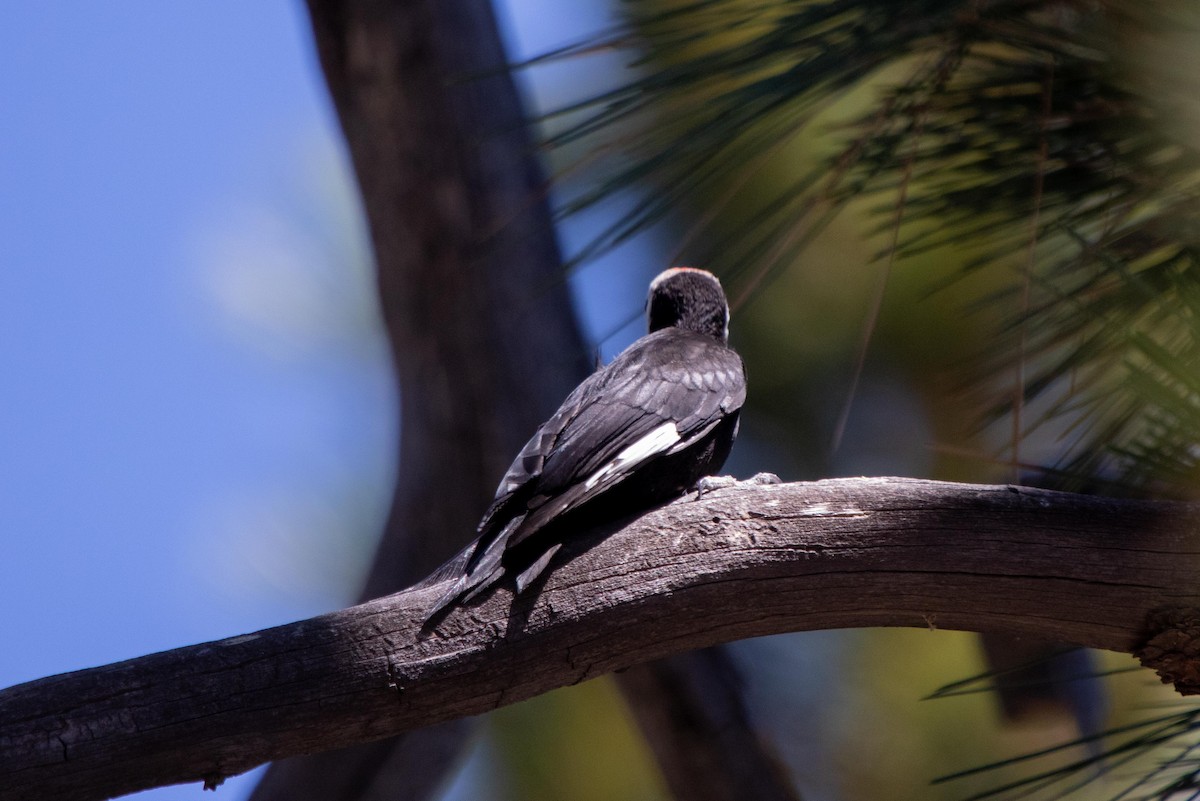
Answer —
1172 648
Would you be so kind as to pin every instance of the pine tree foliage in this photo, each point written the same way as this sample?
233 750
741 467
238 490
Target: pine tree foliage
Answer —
1032 133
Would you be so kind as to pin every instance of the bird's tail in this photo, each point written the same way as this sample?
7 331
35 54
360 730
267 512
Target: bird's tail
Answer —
476 569
447 598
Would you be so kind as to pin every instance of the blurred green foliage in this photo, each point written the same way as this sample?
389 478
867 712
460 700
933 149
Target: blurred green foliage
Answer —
578 743
1031 141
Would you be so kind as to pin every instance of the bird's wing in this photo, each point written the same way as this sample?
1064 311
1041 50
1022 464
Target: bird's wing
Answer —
660 396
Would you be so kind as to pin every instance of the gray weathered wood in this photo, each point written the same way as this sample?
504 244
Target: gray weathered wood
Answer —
737 563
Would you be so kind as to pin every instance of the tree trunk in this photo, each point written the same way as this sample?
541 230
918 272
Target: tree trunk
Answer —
474 301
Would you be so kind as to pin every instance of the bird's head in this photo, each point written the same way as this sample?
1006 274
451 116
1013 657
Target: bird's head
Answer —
686 297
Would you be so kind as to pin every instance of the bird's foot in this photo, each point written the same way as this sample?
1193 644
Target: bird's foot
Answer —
710 483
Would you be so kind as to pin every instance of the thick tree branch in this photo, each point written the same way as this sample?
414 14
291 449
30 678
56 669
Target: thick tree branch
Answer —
737 563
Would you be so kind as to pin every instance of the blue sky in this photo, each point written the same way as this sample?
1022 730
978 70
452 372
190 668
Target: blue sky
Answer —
140 431
197 420
128 137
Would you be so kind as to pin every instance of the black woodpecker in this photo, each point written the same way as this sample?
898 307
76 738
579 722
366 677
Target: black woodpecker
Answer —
635 434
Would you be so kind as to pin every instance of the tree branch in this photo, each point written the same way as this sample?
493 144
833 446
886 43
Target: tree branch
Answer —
742 562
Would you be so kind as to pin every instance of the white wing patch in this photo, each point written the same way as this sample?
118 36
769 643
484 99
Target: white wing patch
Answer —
660 440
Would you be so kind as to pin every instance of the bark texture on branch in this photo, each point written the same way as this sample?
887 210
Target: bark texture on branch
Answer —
737 563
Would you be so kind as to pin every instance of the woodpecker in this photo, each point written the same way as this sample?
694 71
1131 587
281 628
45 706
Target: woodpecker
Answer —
638 432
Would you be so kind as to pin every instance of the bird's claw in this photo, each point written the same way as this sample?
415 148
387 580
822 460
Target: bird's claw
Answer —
709 483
